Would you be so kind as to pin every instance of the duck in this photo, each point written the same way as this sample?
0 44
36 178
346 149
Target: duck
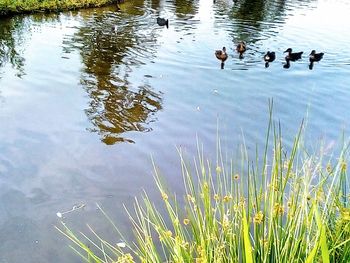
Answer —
269 57
221 54
293 56
241 48
163 22
315 57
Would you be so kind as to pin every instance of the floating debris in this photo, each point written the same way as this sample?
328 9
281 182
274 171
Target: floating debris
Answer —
121 244
59 214
75 207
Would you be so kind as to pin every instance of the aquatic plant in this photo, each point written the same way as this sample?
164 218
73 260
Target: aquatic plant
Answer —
282 206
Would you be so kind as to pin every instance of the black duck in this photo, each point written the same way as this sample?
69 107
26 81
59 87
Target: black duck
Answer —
315 57
293 56
163 22
269 57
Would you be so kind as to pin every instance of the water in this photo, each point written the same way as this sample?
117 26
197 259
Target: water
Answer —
83 108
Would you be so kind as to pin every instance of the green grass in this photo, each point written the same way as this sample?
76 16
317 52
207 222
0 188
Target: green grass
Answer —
278 207
27 6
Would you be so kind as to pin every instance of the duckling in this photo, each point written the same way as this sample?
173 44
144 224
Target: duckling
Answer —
315 57
269 57
241 48
221 54
293 56
163 22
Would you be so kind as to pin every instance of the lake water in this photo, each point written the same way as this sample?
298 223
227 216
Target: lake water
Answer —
83 108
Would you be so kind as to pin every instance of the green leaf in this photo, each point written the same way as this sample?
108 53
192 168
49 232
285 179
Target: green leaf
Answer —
247 245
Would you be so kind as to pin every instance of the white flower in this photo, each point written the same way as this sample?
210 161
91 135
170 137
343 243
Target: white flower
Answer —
59 214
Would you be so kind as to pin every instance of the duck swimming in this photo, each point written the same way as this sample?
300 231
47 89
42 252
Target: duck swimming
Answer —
269 57
315 57
293 56
163 22
222 55
241 48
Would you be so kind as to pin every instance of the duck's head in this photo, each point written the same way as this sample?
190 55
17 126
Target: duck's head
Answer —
224 49
313 52
289 50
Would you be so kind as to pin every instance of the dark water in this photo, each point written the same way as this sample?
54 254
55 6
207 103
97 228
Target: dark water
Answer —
83 108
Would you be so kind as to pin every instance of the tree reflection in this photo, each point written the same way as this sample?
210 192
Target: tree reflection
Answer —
116 105
10 36
263 15
186 9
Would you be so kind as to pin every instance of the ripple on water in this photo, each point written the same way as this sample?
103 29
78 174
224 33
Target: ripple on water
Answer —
83 128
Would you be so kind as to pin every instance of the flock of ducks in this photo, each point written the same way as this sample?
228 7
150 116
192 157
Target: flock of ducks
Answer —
270 56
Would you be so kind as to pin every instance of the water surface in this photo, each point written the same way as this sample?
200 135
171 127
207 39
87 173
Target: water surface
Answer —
83 108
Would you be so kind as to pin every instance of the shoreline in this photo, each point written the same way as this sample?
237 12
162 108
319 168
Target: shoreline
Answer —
10 8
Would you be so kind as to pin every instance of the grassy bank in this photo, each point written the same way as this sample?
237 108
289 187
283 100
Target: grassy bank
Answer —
9 7
279 206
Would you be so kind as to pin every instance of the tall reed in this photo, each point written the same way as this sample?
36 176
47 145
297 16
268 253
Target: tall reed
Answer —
283 206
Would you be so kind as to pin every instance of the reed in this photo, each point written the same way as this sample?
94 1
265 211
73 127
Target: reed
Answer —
279 207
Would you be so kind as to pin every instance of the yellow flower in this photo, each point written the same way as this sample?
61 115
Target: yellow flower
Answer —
168 233
278 209
201 254
216 197
258 218
186 221
218 169
241 202
264 242
227 198
164 196
343 166
329 168
185 244
191 198
126 258
345 214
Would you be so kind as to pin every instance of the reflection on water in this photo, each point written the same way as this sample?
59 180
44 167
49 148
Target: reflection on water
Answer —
110 44
11 38
90 81
186 9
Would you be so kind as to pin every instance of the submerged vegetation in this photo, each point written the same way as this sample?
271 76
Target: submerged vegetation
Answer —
26 6
283 206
